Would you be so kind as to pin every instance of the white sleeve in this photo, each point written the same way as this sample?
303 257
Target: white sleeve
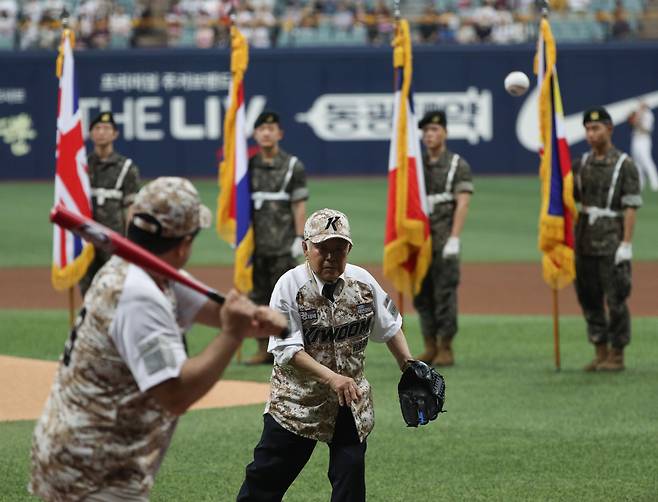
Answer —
283 300
188 303
388 320
149 340
647 120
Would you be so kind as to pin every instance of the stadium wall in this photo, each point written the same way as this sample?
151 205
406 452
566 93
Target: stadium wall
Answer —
335 104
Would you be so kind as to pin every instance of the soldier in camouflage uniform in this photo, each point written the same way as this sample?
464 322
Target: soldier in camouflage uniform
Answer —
114 182
279 193
607 186
449 186
318 389
125 374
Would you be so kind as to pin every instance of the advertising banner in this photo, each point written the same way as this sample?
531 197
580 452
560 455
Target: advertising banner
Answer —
335 104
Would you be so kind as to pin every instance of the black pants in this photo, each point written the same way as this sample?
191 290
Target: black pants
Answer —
280 456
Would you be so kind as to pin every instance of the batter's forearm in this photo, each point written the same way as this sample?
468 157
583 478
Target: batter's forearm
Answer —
209 314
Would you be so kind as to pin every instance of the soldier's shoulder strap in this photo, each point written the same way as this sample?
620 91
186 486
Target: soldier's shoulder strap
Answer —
615 177
122 175
291 167
454 162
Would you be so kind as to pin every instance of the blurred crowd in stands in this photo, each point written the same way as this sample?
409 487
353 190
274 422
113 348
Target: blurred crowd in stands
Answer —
101 24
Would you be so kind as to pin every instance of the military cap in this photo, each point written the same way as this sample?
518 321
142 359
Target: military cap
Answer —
327 224
596 114
437 117
266 117
103 118
170 207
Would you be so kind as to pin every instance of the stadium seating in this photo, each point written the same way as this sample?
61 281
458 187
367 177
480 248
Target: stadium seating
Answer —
593 25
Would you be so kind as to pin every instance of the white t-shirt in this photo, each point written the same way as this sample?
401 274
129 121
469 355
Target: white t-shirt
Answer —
147 331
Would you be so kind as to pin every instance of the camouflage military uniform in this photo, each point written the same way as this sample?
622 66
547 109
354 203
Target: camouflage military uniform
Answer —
98 428
114 183
274 188
437 301
303 410
599 231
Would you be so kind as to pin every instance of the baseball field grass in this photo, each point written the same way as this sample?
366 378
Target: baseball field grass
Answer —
501 225
515 429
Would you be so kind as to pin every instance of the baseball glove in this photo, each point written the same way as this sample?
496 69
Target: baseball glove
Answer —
422 392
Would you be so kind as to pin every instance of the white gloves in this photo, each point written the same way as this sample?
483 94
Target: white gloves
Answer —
296 249
624 252
451 248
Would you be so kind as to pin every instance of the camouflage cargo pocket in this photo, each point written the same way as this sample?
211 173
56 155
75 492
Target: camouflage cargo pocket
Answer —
449 273
621 280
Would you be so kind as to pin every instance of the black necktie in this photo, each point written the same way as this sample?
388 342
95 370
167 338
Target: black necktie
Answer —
328 291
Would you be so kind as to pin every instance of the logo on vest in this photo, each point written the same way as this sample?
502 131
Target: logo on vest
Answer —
328 334
309 315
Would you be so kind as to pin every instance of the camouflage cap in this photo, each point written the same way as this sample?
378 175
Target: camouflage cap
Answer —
327 224
175 205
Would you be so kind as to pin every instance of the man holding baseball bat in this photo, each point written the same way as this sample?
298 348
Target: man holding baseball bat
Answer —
125 375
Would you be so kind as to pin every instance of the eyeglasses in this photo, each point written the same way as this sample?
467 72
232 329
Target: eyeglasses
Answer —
335 249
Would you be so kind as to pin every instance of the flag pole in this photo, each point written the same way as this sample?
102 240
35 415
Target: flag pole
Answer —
71 306
64 19
556 328
554 288
232 17
397 15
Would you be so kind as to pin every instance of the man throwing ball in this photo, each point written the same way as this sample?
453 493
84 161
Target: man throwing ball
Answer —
318 389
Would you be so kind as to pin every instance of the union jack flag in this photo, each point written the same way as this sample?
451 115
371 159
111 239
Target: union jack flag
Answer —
71 255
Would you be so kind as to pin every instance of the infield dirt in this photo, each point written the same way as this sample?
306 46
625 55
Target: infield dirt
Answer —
488 289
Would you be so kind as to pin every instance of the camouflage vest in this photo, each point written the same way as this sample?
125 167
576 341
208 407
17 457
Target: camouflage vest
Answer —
97 428
336 335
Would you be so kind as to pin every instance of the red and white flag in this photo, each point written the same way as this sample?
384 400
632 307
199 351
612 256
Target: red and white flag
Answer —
407 242
71 255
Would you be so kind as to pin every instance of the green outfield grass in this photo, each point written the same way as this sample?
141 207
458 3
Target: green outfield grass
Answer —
501 226
515 430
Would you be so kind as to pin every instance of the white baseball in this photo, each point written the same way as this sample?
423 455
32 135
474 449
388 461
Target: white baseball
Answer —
517 83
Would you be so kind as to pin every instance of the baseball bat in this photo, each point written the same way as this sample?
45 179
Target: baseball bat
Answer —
113 243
